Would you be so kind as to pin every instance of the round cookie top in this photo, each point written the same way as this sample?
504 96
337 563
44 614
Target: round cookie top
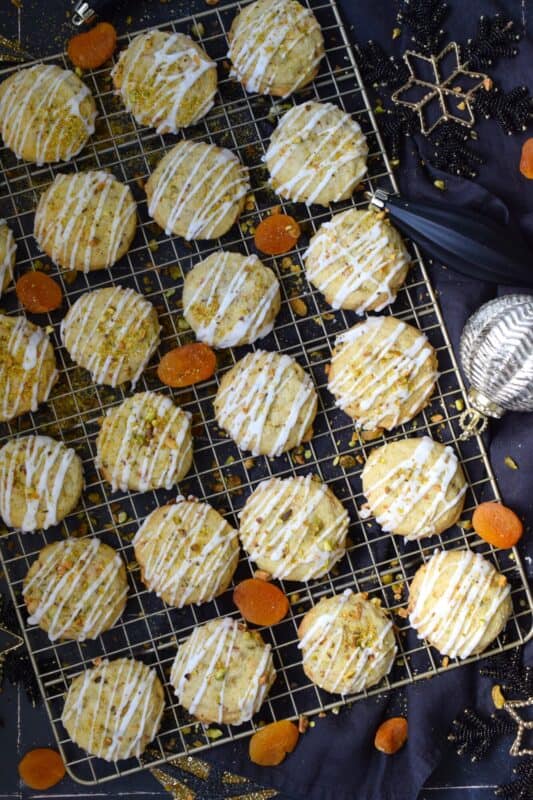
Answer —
382 372
317 154
347 643
275 47
197 190
27 367
114 710
459 602
41 481
8 249
144 443
266 402
165 80
85 220
230 299
111 332
414 487
294 528
76 589
223 672
187 552
46 114
357 260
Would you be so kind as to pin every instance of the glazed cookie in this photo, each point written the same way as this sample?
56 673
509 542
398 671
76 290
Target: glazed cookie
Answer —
414 487
46 113
275 47
382 372
294 528
76 589
41 481
165 80
459 602
347 643
187 552
230 299
223 672
197 190
267 403
144 443
111 332
317 154
85 220
357 260
27 367
8 249
114 710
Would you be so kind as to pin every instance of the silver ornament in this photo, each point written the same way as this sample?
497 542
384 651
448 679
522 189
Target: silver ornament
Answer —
496 352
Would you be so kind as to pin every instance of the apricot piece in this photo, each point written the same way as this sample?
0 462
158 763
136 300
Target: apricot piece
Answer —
391 735
92 49
38 292
186 365
269 745
526 159
260 602
41 768
277 234
497 524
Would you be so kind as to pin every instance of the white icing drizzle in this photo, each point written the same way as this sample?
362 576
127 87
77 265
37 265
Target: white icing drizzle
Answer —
246 421
278 521
9 248
175 564
325 638
128 688
403 497
174 70
337 145
32 92
459 618
223 183
341 252
260 40
210 644
382 358
64 234
59 592
249 327
124 313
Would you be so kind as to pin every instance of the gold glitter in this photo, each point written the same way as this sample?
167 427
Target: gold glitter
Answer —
263 794
229 777
194 766
177 789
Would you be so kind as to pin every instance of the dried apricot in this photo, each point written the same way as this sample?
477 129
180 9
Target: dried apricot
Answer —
277 234
260 602
186 365
497 524
38 292
92 49
41 768
391 735
269 745
526 160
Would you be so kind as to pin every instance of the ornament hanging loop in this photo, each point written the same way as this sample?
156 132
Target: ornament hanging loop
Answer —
473 423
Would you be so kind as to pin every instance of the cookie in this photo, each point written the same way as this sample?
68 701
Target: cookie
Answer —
223 672
414 487
357 260
114 710
294 528
187 552
76 589
459 602
144 443
197 190
347 643
382 372
166 80
8 249
47 114
41 482
275 47
85 220
266 403
27 367
111 332
317 154
230 299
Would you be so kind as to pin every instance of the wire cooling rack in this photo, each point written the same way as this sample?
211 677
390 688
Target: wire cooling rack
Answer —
376 562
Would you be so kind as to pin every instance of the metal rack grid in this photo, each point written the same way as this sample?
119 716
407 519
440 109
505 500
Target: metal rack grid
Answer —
376 562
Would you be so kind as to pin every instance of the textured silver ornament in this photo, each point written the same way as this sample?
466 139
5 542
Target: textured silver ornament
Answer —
496 352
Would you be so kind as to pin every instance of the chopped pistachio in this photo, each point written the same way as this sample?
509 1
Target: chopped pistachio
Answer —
396 32
510 462
214 733
460 404
439 184
497 697
122 517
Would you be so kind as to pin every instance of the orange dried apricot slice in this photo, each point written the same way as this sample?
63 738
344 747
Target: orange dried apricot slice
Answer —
186 365
92 49
391 735
38 292
269 745
41 768
497 524
526 159
277 234
260 602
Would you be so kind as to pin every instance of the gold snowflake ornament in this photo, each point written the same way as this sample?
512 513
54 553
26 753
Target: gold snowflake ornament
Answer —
523 725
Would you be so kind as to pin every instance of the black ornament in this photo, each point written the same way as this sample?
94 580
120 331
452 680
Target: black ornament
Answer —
511 109
522 788
475 735
510 673
495 38
451 151
425 19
